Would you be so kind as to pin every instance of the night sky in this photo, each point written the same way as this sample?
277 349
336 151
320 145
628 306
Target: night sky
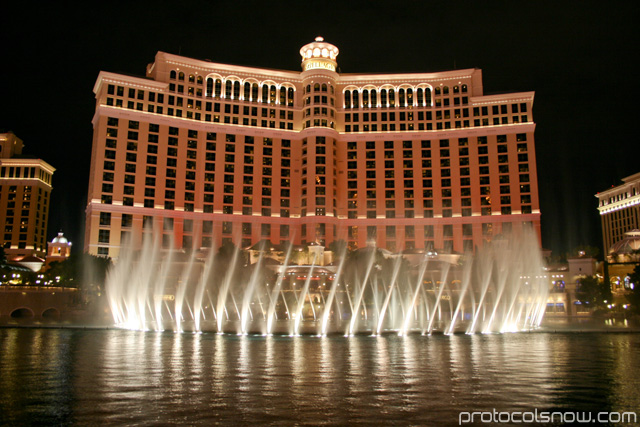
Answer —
576 56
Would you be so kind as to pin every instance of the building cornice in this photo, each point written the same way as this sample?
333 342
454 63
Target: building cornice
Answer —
215 67
439 133
444 76
28 162
629 196
139 82
620 204
502 98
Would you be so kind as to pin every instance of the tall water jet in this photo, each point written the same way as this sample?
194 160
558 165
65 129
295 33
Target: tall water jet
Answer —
360 288
466 280
436 303
276 291
412 305
204 278
224 289
248 294
181 291
394 279
332 293
303 295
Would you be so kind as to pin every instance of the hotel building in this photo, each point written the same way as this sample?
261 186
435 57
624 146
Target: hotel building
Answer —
619 209
25 189
204 152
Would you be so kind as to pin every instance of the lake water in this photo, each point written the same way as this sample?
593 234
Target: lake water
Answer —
119 377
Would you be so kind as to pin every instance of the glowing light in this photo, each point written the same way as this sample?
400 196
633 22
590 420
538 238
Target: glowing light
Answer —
319 65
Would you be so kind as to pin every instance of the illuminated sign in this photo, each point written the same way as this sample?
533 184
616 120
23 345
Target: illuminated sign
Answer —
319 64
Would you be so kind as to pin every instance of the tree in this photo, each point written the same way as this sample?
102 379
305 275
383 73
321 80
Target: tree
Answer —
634 296
589 251
593 292
3 257
339 249
79 270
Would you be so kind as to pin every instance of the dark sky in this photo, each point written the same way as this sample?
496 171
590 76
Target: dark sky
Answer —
577 57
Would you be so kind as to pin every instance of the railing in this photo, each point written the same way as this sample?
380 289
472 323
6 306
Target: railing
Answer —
29 288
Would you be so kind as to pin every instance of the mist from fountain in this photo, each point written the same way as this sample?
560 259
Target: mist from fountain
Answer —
500 289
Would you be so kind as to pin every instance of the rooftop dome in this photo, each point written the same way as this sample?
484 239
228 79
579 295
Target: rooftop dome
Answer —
628 245
319 54
60 239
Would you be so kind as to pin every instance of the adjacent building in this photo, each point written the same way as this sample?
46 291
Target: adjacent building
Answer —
58 250
619 209
25 189
199 153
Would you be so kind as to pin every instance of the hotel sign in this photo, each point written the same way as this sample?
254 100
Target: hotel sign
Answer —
319 64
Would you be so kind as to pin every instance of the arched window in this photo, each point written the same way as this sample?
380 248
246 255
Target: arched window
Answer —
209 87
218 88
347 99
283 95
464 88
227 89
324 87
272 94
392 98
290 93
265 93
356 100
247 91
181 76
445 90
192 78
199 80
254 92
456 89
172 75
383 97
236 90
401 101
308 88
316 87
332 91
410 97
365 98
427 97
437 91
374 99
420 96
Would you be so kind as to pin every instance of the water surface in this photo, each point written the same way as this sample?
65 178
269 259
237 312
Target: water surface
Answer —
116 377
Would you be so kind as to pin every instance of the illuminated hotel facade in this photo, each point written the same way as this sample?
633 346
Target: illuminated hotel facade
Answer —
205 152
619 209
25 190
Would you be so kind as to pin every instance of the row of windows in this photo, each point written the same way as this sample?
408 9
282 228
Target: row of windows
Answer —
317 87
30 172
408 234
442 143
214 86
251 92
439 115
388 96
458 124
247 228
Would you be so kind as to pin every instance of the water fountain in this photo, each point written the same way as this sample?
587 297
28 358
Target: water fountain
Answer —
499 289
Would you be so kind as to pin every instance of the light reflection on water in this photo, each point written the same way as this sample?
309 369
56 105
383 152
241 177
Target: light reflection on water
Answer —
66 376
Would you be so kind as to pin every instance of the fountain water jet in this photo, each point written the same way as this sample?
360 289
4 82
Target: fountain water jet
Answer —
499 289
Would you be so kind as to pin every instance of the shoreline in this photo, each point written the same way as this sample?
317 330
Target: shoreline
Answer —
567 327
